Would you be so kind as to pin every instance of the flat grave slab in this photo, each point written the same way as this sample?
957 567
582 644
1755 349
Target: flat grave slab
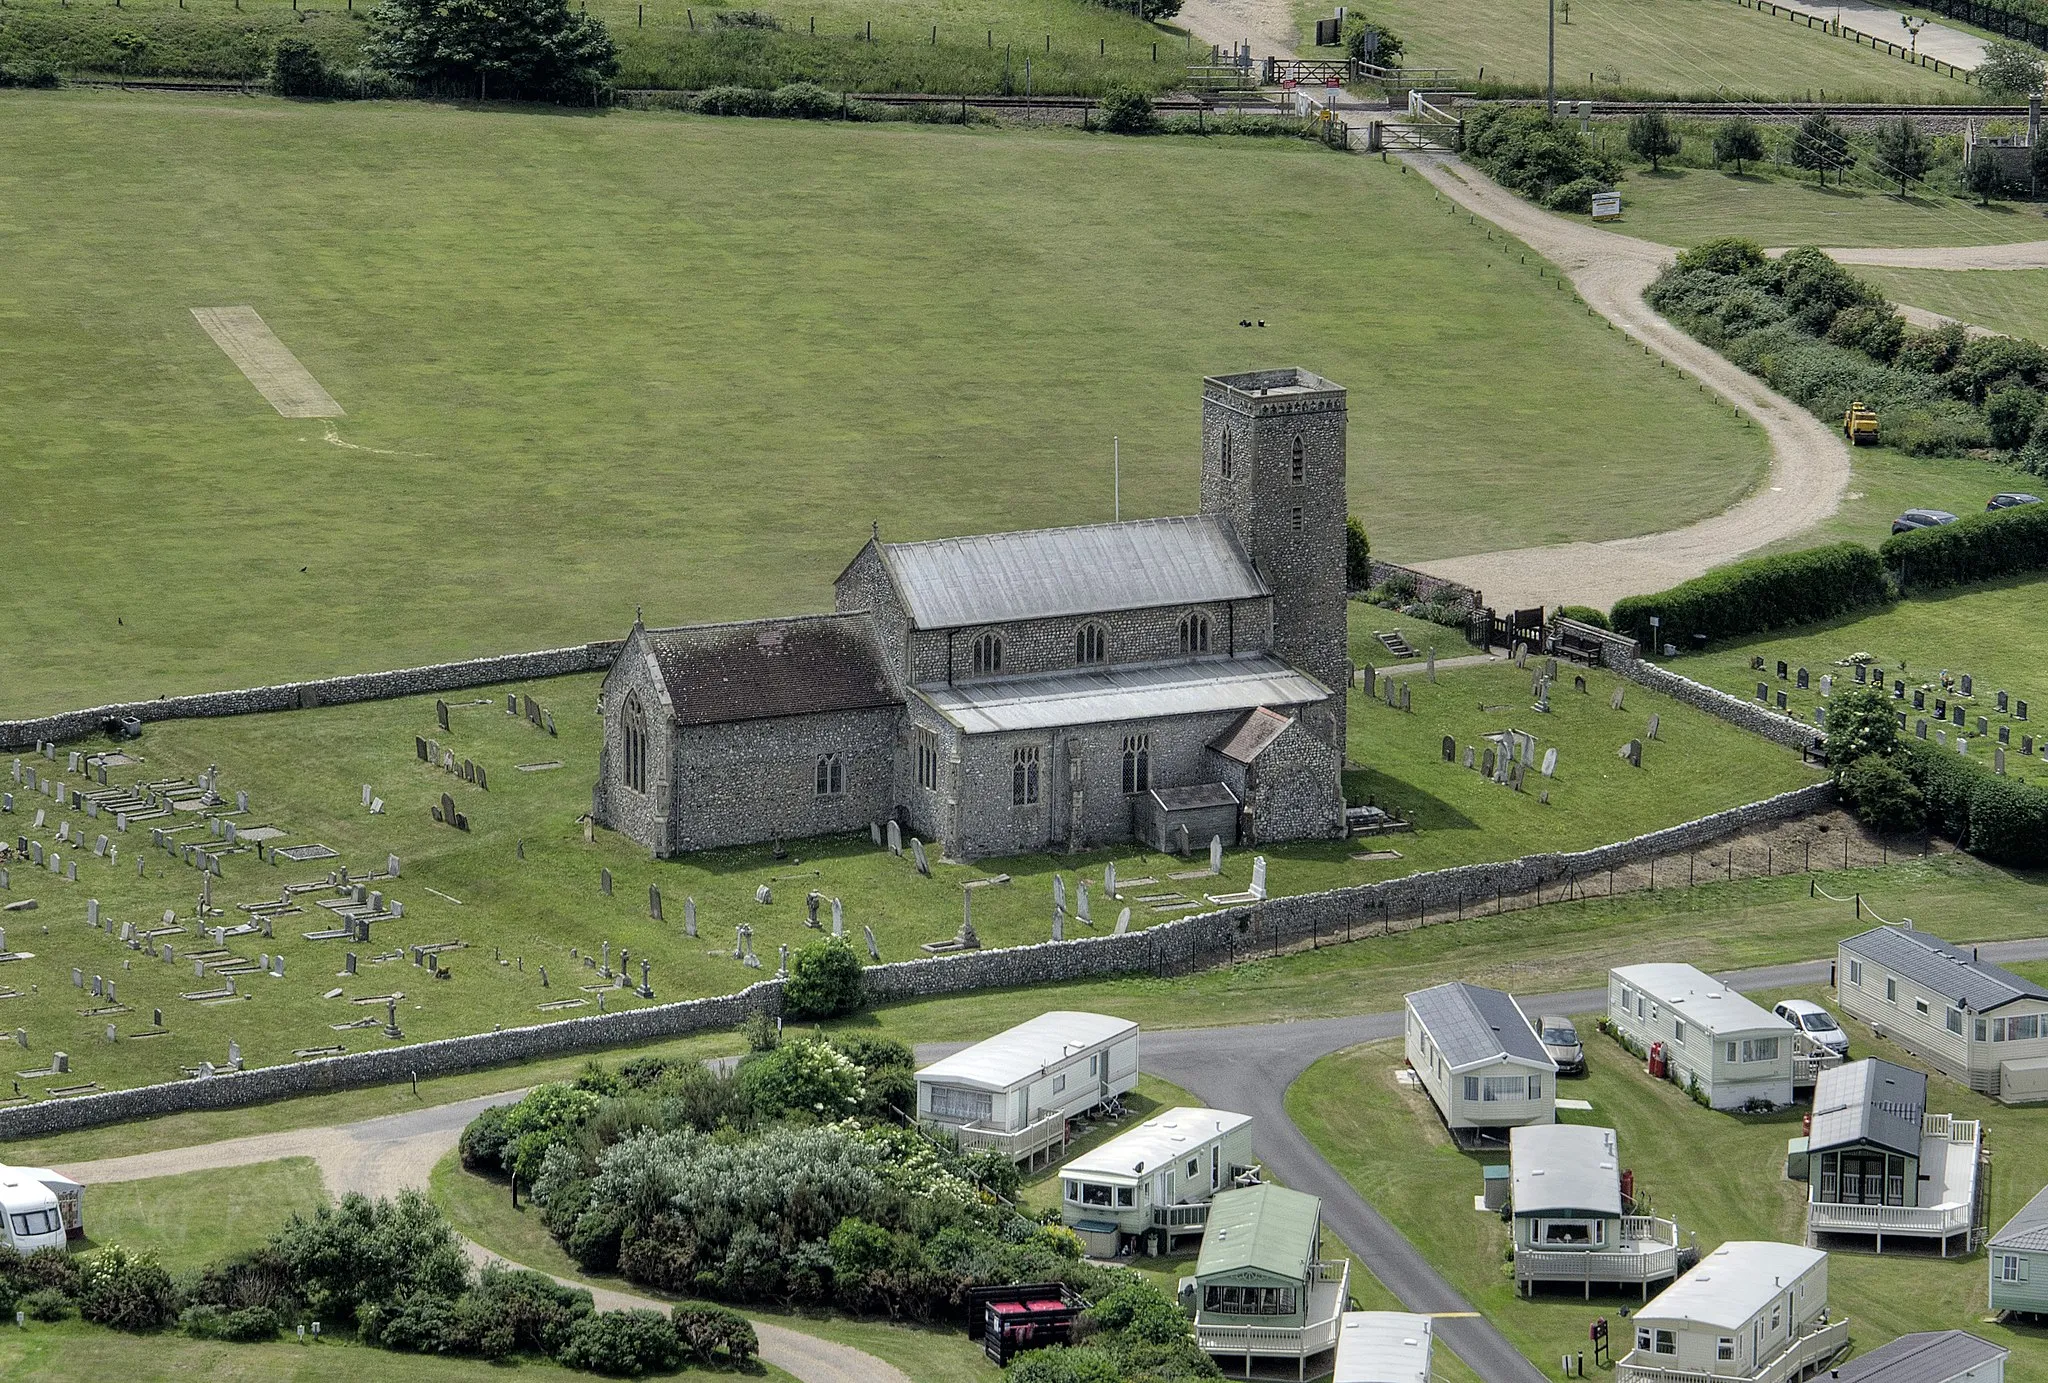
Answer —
258 833
300 854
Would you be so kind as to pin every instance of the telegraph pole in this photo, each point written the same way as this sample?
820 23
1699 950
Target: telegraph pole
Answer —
1550 89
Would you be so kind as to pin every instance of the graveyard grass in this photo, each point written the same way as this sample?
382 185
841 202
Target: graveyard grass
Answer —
1716 926
1720 1176
304 771
1623 49
1990 631
196 1218
1683 206
563 342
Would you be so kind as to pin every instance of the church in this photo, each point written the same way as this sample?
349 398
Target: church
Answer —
1160 680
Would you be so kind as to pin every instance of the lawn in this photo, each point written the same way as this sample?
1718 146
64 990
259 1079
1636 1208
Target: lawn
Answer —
557 337
520 890
1687 205
1991 632
1884 483
2009 300
1720 1176
1622 49
193 1219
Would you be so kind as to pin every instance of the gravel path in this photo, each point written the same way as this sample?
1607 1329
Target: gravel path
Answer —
1881 21
1265 24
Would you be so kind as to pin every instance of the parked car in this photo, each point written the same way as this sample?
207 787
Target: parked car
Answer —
1561 1045
1921 518
2012 501
1816 1022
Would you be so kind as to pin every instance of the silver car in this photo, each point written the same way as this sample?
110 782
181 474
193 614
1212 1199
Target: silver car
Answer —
1816 1022
1561 1043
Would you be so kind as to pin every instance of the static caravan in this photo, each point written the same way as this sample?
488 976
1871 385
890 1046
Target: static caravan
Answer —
1570 1223
1929 1356
1709 1033
70 1196
1382 1347
1973 1021
1259 1289
1879 1165
1480 1060
2019 1260
1749 1310
1016 1090
1152 1185
33 1219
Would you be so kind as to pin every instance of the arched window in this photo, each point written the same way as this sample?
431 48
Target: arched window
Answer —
1137 763
1194 633
635 747
831 779
1226 456
1024 776
1091 643
1297 464
988 654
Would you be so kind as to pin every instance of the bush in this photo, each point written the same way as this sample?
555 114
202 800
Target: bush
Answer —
1574 196
809 1076
2009 821
1989 362
51 1267
1527 152
1815 288
2009 69
528 49
362 1253
803 101
2010 414
1366 41
1947 428
297 69
528 1310
715 1335
1761 593
1881 795
1063 1364
1872 328
824 981
1861 725
415 1323
624 1344
1730 255
1945 780
29 72
745 19
1125 111
1357 554
736 100
1976 547
1984 179
1933 352
127 1291
1585 614
45 1304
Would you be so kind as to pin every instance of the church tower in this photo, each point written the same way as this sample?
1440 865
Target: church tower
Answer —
1273 464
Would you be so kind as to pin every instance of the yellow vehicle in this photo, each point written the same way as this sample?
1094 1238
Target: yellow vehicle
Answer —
1859 424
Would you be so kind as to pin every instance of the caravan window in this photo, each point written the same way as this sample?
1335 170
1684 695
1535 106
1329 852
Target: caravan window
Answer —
1125 1197
2012 1268
1724 1348
1472 1088
1856 973
1094 1193
1678 1032
1666 1342
1059 1084
36 1222
1573 1231
1503 1088
1954 1019
1535 1087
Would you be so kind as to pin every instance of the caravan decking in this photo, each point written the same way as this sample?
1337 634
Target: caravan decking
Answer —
1015 1091
1570 1224
1259 1291
1881 1166
1154 1183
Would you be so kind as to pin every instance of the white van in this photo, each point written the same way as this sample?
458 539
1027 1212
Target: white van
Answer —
32 1217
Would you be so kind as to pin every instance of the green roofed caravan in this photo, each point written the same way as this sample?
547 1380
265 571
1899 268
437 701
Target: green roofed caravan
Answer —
1259 1290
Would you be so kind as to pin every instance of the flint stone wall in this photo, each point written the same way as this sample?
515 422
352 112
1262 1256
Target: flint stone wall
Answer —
292 696
1774 725
1429 590
1177 947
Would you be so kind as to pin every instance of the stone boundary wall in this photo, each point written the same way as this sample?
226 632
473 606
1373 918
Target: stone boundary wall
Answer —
1181 946
1428 589
1752 716
291 696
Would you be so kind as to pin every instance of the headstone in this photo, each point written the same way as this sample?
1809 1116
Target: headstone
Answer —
917 852
367 794
1515 776
549 717
838 920
1543 697
875 832
1059 893
441 713
419 747
1579 683
1215 854
1998 760
483 779
1109 879
1781 701
1827 684
654 902
511 703
1059 926
156 1018
1941 708
1468 756
2002 703
604 882
1919 698
1123 921
1081 901
1486 762
2026 748
1983 727
543 977
469 770
1820 717
1920 728
348 963
1962 744
1802 682
2019 710
532 709
1528 751
1616 700
1450 749
1429 667
1862 674
1258 888
241 801
92 912
1549 762
689 916
1633 752
1521 654
1405 689
895 838
1957 713
763 895
121 821
1941 738
1967 689
874 951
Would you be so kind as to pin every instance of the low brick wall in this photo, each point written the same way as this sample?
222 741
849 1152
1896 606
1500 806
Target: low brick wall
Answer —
1428 589
290 696
1177 947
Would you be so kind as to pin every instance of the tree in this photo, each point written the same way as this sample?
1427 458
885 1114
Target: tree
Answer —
1820 145
1860 726
824 981
2009 69
296 69
1903 153
1881 796
1983 177
1371 42
1357 554
811 1076
1650 136
1738 141
519 49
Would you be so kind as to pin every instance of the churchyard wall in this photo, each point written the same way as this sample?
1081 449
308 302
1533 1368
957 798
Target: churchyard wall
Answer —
328 691
1177 947
1619 654
1429 590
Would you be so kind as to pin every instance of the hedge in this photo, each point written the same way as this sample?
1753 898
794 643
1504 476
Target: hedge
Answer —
1761 593
2001 819
1975 548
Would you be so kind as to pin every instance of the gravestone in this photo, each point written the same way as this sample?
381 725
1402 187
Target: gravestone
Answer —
532 709
874 951
1633 752
549 717
1059 894
1941 708
367 794
2002 703
604 882
1542 699
838 920
895 838
1486 762
917 853
348 963
1258 888
419 747
654 902
1655 721
441 714
1616 700
469 770
483 779
1404 696
92 912
1468 756
511 703
1515 777
1450 749
1109 879
1429 667
763 895
1941 737
1898 691
1998 760
1081 902
1802 682
689 916
1862 674
1983 727
1579 683
1528 751
1958 714
1059 926
1123 921
1783 669
1967 689
1820 717
2019 710
2026 748
875 832
241 801
1827 684
1521 655
1919 698
1215 854
1549 763
1781 701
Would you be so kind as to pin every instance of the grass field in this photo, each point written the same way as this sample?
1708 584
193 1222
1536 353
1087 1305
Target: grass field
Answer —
188 1221
1698 49
1687 205
1988 631
304 772
561 341
2013 301
1720 1176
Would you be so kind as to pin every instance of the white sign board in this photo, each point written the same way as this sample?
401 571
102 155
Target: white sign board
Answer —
1606 206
